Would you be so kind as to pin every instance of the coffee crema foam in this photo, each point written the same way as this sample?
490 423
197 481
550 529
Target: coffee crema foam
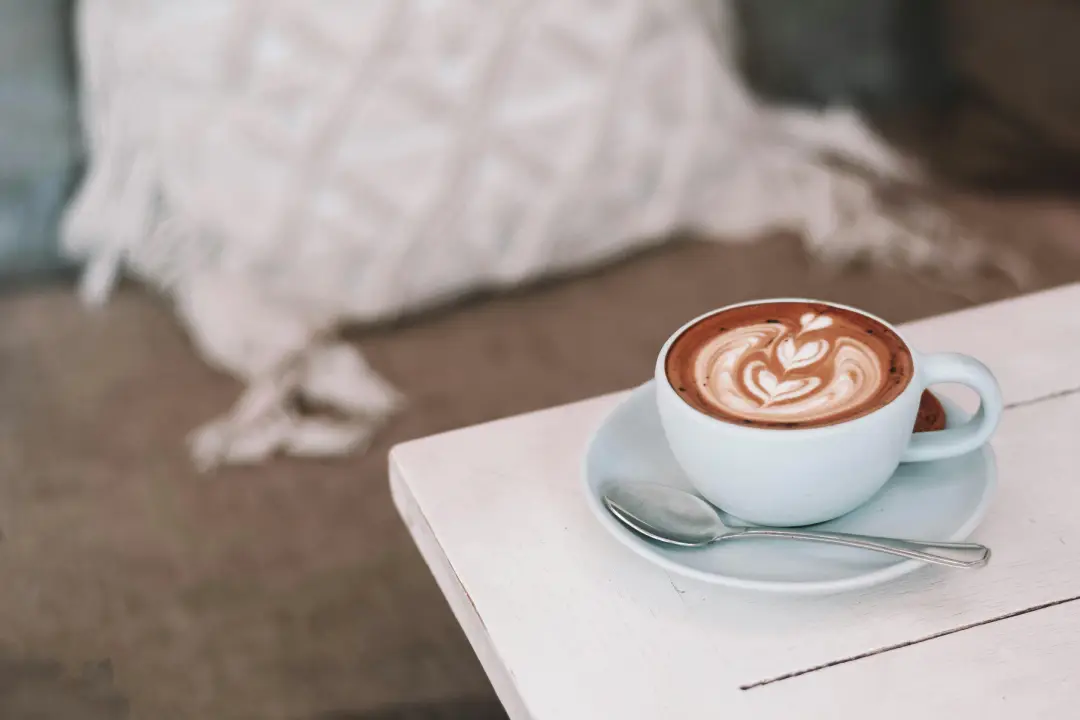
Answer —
788 365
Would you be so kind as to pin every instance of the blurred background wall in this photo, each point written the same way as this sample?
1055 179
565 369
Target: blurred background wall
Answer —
40 148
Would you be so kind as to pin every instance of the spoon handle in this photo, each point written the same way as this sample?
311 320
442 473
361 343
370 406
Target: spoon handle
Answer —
952 554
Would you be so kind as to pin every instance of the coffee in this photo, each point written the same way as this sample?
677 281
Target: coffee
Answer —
788 365
931 417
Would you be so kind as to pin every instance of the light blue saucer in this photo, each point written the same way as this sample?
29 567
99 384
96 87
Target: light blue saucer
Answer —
943 500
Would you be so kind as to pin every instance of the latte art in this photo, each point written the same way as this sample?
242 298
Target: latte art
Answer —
781 371
793 365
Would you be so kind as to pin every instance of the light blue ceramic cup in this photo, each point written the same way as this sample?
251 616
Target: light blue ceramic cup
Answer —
787 477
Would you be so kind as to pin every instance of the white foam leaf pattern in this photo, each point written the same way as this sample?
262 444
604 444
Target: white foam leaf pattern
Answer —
810 321
769 389
792 356
767 382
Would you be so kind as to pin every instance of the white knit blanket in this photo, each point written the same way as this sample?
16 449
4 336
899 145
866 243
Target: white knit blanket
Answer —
283 167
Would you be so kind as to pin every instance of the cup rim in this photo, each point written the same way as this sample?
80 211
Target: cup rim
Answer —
660 371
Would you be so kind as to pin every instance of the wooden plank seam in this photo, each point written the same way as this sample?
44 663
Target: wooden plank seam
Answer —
933 636
907 643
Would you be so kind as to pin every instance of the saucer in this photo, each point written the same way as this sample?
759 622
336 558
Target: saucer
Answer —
942 500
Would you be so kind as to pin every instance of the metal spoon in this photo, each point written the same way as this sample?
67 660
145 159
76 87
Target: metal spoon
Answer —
673 516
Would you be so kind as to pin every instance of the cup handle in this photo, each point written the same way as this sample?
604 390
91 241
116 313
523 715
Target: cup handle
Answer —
966 370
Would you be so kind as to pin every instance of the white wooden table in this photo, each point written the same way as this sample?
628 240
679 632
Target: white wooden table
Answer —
570 624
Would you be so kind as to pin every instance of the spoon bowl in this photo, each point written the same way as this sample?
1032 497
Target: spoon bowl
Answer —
665 514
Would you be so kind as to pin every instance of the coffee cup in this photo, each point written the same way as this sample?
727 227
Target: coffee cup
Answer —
791 412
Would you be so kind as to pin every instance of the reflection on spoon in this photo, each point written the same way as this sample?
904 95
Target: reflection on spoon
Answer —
675 517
